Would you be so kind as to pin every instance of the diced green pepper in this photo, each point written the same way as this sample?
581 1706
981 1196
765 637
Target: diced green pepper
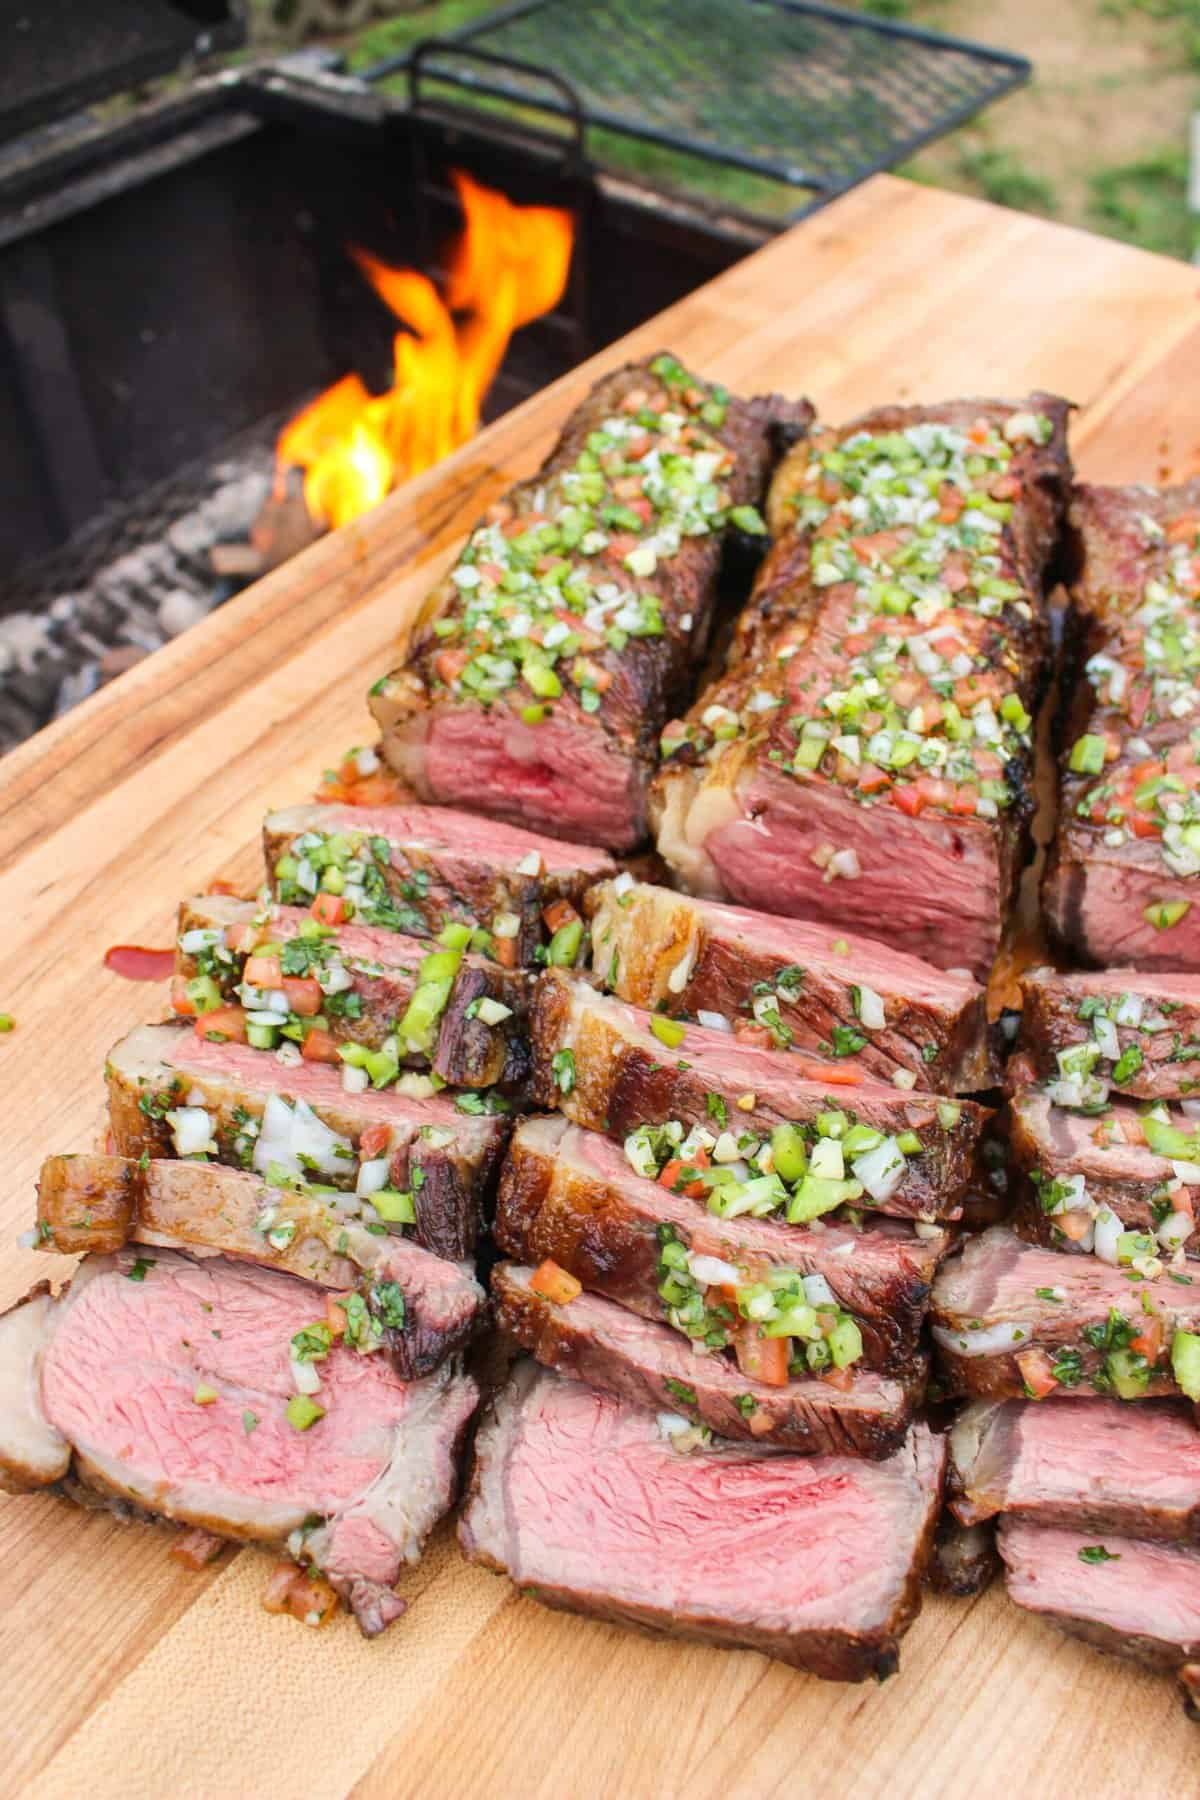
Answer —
1162 914
394 1207
1128 1372
303 1411
668 1031
845 1343
204 993
564 945
1087 755
788 1153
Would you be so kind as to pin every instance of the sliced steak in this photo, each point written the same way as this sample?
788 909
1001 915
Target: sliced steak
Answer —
417 1306
965 1560
1010 1319
351 985
170 1381
582 1501
790 983
613 1067
1091 1468
1090 1178
417 869
877 708
1140 1601
172 1093
33 1452
596 1341
540 671
1120 881
571 1196
1136 1029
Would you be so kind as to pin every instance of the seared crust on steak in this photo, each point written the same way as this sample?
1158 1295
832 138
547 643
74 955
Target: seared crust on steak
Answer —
965 1560
815 1562
33 1453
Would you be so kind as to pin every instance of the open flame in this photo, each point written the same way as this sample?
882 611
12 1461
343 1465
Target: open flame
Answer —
507 267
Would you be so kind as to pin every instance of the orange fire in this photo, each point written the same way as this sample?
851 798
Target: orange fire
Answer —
508 266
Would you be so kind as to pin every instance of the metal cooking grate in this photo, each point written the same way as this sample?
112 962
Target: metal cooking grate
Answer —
797 92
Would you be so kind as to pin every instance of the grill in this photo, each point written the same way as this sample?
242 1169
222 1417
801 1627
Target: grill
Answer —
806 95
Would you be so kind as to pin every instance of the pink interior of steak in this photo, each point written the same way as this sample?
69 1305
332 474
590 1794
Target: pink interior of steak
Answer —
1058 1453
462 834
1144 1589
122 1371
929 885
562 773
369 942
997 1278
1093 1150
598 1499
317 1083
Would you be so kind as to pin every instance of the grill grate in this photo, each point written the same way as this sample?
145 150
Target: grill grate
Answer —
796 92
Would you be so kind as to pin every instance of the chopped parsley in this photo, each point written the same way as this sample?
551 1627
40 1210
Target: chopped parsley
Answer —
562 1064
140 1269
1096 1553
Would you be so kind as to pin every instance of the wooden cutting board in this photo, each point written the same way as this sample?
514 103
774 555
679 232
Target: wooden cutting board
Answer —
122 1674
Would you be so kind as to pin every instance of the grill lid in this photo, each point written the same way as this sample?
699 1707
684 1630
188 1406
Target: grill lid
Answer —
58 54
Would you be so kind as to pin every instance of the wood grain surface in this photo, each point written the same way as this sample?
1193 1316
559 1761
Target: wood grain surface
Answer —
124 1675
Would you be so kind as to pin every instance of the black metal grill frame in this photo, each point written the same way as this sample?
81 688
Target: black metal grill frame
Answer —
807 95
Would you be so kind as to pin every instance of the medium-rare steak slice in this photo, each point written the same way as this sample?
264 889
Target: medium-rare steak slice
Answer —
581 1499
212 1393
417 1307
1118 1182
541 669
596 1341
1136 1600
1090 1468
615 1068
424 1163
792 984
1011 1320
1137 1030
350 995
854 1299
1120 881
418 869
877 711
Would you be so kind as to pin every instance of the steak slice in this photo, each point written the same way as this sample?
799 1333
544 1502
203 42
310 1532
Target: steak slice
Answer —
418 1307
594 1340
817 1562
366 978
1010 1318
614 1068
571 1196
541 669
1140 1601
1145 1026
300 1122
1087 1468
1120 882
877 708
965 1560
166 1382
417 869
1088 1178
877 1009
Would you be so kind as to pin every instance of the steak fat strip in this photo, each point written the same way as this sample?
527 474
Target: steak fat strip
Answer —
386 1293
1134 1030
172 1384
423 1165
877 710
1136 1600
791 984
1012 1320
541 670
1120 882
1089 1468
353 996
583 1502
788 1137
784 1302
419 869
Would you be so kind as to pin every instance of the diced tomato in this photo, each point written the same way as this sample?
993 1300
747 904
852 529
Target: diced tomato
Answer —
906 690
243 937
555 1284
760 1422
558 914
319 1046
1140 823
761 1358
637 447
505 952
181 1002
871 779
306 1597
643 508
1074 1225
263 972
374 1141
493 572
855 643
965 799
448 665
380 789
935 791
304 995
833 1074
951 501
979 432
634 400
1150 1340
330 909
619 546
1182 531
227 1024
842 1379
876 544
221 887
748 1032
695 1190
499 512
909 798
335 1312
1037 1372
1005 487
197 1548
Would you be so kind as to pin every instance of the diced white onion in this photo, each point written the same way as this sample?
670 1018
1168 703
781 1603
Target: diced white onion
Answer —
904 1078
870 1009
200 938
354 1081
1190 1108
710 1271
505 925
1105 1034
880 1170
1129 1010
1108 1230
493 1012
1187 1172
1175 1229
305 1378
191 1131
714 1021
367 761
818 1292
530 864
725 1150
985 1341
289 1133
623 883
372 1176
289 1055
681 974
844 863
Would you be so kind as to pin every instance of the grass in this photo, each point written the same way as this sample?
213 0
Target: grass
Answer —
1183 14
1145 202
1000 175
390 37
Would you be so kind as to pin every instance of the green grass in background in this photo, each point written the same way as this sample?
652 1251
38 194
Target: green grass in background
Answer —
1145 202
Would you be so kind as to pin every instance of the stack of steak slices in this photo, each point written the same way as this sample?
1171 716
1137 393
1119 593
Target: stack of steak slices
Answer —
876 710
1075 1331
265 1339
